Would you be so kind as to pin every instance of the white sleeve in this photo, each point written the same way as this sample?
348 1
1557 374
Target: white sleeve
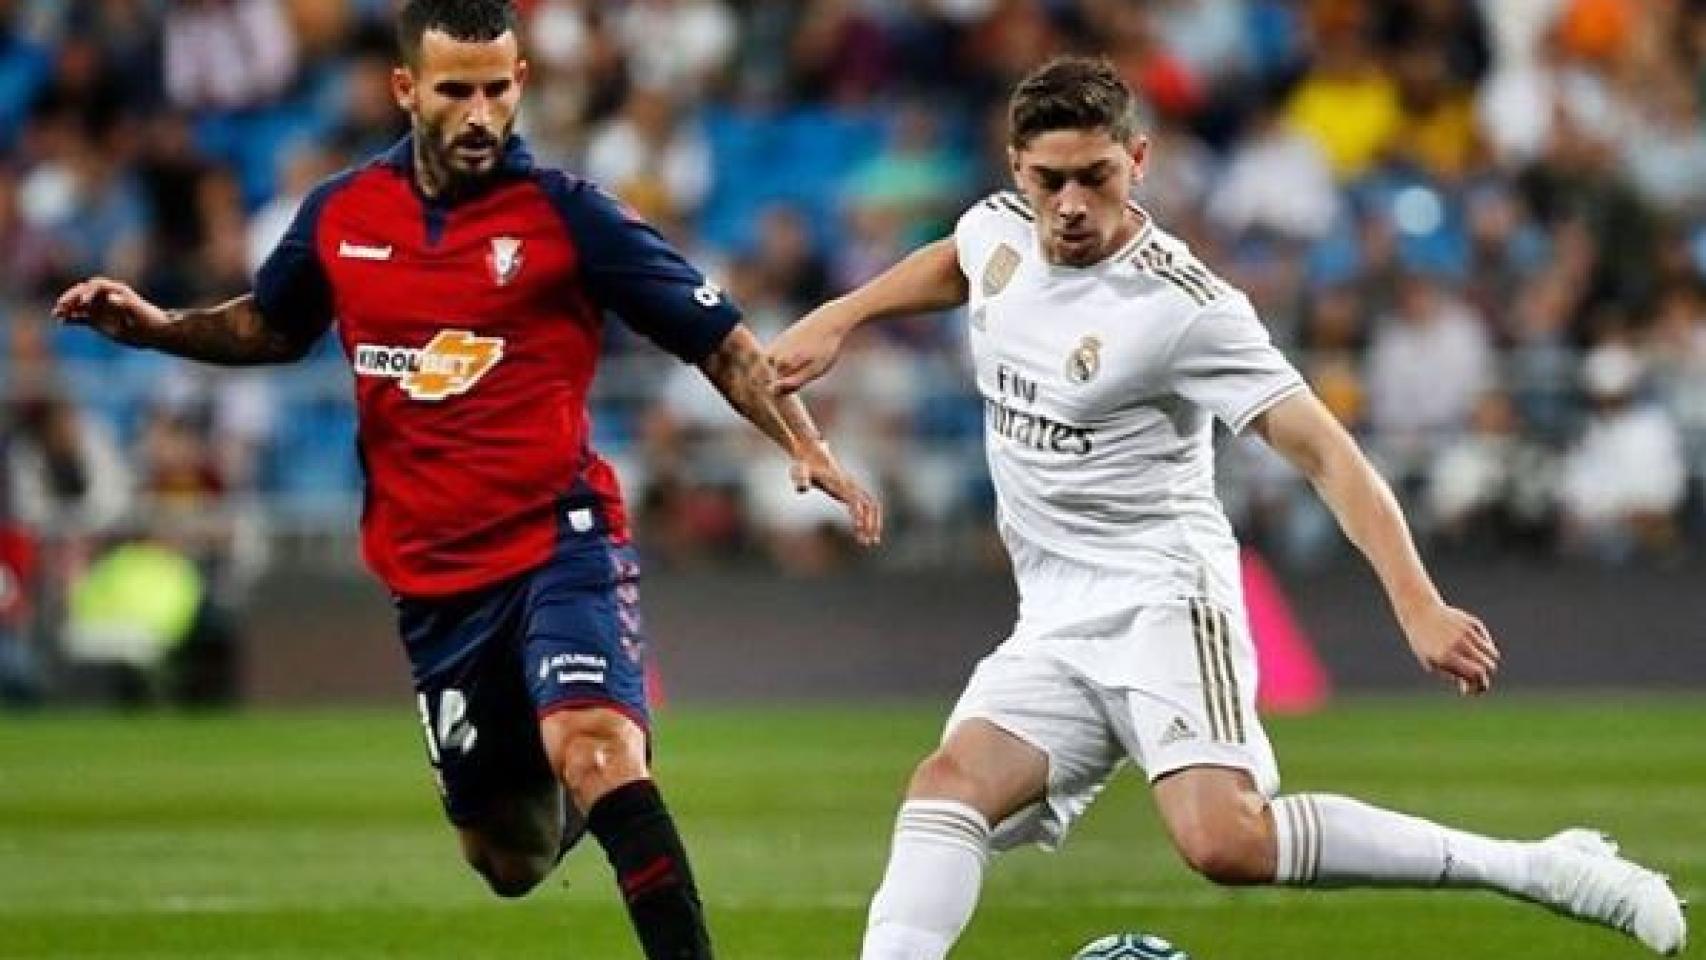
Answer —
1225 363
975 236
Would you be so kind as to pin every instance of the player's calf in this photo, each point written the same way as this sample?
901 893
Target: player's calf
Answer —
510 875
600 756
514 842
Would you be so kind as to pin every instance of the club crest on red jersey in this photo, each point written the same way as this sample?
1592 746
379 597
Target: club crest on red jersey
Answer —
504 259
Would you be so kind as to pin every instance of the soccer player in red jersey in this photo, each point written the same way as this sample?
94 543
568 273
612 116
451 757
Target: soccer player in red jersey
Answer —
468 287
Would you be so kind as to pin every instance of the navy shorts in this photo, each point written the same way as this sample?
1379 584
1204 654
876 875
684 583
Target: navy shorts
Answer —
489 664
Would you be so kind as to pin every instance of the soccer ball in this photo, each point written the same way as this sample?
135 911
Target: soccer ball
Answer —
1130 946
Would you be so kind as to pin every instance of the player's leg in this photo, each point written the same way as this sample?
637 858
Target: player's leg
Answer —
514 842
511 817
1025 752
583 660
600 755
482 736
1214 782
980 775
1225 829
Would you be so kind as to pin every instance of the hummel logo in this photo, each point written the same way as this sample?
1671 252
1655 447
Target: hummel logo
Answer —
1177 731
357 251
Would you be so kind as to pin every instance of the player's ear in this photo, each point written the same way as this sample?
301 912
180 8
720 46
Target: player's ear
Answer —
1013 165
403 88
521 72
1139 156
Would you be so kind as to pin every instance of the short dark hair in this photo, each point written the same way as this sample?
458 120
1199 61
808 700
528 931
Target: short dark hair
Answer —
1071 93
476 21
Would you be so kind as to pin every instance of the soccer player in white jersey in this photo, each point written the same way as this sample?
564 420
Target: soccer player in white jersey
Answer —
1104 351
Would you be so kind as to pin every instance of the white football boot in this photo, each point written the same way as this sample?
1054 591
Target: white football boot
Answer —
1578 873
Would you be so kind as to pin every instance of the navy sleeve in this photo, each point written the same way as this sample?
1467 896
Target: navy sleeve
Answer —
630 270
292 291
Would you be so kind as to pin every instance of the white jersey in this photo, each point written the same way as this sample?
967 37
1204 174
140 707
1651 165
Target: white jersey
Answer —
1100 386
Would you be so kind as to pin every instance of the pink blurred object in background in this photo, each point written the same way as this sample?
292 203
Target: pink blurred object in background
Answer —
1293 678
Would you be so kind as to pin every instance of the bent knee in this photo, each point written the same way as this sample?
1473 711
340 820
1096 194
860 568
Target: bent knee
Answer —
1227 856
509 875
941 774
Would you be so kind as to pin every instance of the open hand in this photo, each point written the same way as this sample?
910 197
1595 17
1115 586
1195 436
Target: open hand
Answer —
1452 642
818 468
112 309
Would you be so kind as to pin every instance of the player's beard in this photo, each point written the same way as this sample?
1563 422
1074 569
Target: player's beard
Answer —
447 166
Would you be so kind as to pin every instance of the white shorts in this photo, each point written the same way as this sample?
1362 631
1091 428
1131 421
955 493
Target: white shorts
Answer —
1167 686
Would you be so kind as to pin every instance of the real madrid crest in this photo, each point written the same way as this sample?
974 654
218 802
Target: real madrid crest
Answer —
1084 363
504 259
998 270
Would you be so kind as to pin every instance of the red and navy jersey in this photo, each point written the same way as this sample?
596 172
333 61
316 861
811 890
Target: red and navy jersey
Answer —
473 328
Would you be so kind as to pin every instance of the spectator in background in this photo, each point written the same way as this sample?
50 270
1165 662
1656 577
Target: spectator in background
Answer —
654 161
83 88
228 54
25 64
1177 177
1346 101
838 54
28 266
1333 341
1009 38
1491 487
368 121
171 173
305 165
192 512
67 477
582 74
1436 128
1428 363
1664 150
1676 353
1624 479
1537 86
1277 180
1452 30
788 261
84 199
20 680
679 46
915 178
1505 249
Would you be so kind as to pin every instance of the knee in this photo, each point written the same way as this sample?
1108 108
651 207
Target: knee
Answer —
595 751
509 875
1227 843
1229 850
943 775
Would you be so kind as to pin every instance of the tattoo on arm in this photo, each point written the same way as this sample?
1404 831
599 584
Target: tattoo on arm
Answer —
739 371
231 334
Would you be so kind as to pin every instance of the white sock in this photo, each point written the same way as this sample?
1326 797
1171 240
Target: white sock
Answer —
934 875
1332 841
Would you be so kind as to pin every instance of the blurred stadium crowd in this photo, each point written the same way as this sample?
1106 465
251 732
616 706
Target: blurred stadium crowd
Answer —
1479 227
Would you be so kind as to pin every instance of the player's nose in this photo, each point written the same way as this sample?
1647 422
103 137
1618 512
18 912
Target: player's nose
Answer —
1072 202
480 112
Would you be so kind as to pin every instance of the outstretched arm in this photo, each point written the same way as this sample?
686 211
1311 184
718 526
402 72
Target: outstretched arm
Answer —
928 279
1445 639
231 334
740 372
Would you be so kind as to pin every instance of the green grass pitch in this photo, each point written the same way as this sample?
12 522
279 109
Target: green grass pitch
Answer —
317 835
